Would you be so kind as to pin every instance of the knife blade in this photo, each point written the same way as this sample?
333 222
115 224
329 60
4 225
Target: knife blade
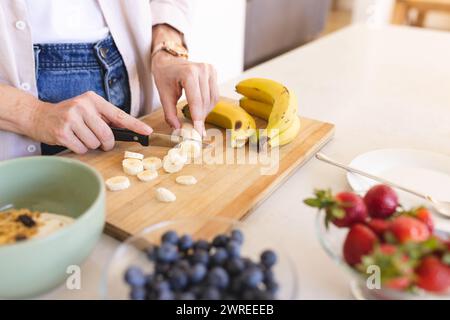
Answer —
155 139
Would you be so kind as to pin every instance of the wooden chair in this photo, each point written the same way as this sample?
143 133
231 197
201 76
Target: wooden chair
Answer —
402 8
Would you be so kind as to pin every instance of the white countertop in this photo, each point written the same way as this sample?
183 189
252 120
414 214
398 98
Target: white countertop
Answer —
387 87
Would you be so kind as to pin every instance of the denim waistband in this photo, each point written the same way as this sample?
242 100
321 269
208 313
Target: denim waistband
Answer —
77 55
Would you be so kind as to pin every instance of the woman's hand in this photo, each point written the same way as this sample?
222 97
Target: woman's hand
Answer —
199 81
80 123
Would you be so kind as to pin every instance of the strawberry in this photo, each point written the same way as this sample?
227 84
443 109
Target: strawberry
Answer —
408 229
396 267
344 209
381 201
379 226
424 215
359 242
433 275
399 283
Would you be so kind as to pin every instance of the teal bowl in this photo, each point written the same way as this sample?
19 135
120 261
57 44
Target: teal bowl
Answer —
56 185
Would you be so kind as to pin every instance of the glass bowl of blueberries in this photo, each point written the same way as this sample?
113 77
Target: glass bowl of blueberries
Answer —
201 259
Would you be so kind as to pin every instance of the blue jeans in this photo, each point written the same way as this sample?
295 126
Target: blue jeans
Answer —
64 71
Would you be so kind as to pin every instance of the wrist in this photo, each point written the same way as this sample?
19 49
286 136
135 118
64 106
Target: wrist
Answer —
31 122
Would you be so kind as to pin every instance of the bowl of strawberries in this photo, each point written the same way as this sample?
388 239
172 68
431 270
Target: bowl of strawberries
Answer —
392 252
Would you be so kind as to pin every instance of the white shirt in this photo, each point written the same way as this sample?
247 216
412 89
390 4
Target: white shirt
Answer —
130 23
66 21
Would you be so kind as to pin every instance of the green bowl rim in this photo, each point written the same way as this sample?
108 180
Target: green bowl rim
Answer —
79 219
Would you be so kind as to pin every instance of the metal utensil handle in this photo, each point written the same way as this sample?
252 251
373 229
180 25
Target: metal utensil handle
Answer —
130 136
324 158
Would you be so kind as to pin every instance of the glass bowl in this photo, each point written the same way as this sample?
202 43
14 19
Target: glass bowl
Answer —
257 238
332 240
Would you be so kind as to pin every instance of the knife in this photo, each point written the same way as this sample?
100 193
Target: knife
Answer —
155 139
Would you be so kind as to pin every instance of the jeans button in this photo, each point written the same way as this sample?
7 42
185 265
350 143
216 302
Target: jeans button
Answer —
103 52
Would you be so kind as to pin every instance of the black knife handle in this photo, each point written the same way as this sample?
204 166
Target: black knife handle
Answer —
130 136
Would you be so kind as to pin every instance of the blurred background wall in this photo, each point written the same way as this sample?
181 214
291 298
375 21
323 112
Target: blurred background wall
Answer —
237 34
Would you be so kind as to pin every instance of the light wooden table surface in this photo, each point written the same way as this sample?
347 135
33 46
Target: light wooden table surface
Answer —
387 87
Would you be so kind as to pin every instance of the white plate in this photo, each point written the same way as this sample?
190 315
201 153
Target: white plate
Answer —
423 171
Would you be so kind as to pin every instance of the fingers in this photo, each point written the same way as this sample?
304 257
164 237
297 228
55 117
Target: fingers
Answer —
170 111
213 89
85 135
101 130
120 118
74 144
194 97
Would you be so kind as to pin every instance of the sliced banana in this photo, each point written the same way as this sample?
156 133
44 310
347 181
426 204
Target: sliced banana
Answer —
177 156
186 180
152 163
118 183
189 133
165 195
132 166
133 155
192 149
147 175
171 167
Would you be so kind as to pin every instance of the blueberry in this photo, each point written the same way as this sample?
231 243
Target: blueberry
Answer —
237 236
183 265
219 257
138 293
185 243
268 276
166 295
135 277
235 265
178 279
162 268
220 240
161 286
151 252
210 293
167 252
248 263
197 273
248 294
218 278
201 245
186 296
200 256
234 249
170 237
272 287
252 277
268 258
236 285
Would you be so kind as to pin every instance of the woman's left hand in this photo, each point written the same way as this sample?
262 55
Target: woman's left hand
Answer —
199 81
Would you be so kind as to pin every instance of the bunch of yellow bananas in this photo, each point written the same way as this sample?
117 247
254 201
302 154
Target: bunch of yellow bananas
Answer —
264 98
273 102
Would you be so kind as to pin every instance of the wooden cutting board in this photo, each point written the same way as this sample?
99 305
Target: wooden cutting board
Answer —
223 190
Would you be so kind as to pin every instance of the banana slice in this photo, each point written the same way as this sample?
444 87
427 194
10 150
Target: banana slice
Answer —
117 183
147 175
171 167
152 163
189 133
133 155
186 180
132 166
192 149
165 195
177 156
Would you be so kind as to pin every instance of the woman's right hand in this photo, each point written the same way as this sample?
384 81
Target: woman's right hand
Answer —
81 123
